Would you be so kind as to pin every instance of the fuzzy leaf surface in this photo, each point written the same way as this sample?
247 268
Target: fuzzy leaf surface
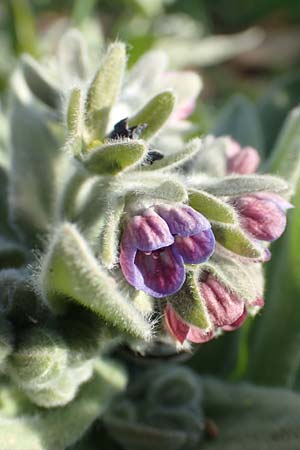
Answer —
238 185
39 82
104 90
285 157
194 310
71 270
58 428
212 207
251 417
155 113
114 157
36 162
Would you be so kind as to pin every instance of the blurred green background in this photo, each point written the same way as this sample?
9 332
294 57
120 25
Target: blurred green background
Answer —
248 55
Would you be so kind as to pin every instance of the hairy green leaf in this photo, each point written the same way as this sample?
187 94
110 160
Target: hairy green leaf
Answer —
59 428
212 207
234 239
238 185
69 269
251 417
194 310
177 158
285 158
155 113
104 90
39 82
114 157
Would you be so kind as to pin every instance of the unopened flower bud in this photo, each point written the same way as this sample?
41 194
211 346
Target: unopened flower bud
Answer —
226 309
263 215
241 160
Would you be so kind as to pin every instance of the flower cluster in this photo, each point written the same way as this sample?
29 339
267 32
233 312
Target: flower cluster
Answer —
159 241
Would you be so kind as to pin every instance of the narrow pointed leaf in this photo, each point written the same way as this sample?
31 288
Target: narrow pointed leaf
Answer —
176 159
154 114
75 112
40 83
110 235
238 185
285 157
114 157
194 310
70 269
36 162
279 327
234 239
212 207
84 202
104 90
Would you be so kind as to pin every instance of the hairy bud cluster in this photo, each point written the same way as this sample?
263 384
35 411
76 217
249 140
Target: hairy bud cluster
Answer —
118 228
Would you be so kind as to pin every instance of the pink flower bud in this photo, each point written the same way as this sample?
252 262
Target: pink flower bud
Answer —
241 160
263 215
227 312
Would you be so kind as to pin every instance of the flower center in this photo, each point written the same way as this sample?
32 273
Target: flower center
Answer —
156 253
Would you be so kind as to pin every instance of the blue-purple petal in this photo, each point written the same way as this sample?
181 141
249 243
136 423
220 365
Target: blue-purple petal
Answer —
148 232
163 273
195 249
183 220
159 273
126 260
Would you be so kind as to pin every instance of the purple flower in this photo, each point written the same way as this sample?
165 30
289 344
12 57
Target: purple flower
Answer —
157 243
227 312
263 215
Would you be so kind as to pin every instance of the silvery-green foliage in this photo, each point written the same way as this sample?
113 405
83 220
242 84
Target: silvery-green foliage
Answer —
161 409
251 417
208 50
74 174
283 278
24 426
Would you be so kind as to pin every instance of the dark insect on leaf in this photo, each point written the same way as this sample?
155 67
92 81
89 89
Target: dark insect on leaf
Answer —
122 130
153 155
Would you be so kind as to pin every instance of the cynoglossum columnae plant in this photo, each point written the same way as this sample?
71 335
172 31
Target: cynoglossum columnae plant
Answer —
112 234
